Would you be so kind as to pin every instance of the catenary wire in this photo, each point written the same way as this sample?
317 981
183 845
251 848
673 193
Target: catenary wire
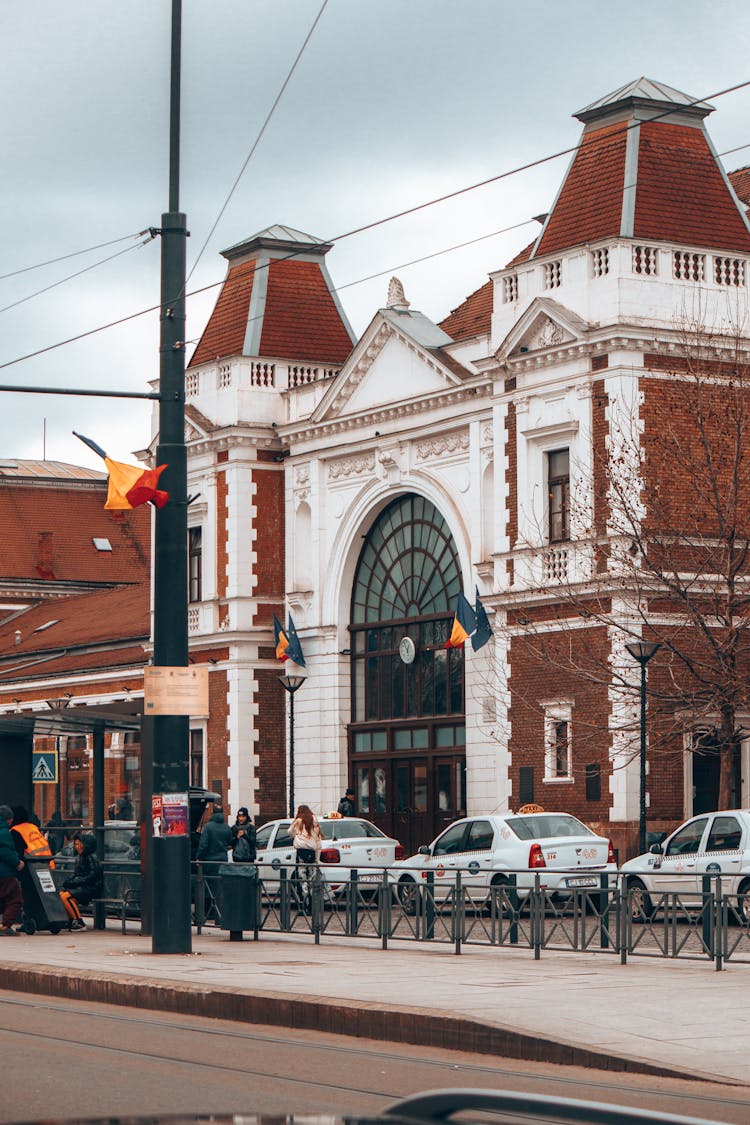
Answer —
78 273
370 226
257 140
74 254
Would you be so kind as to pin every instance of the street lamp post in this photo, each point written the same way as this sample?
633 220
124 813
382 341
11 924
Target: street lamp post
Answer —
291 684
642 651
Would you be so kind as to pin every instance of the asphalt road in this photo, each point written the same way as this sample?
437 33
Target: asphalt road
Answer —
65 1059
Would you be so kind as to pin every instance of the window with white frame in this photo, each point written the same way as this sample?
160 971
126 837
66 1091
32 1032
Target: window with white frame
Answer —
195 564
600 262
558 742
558 492
196 757
645 260
552 274
510 289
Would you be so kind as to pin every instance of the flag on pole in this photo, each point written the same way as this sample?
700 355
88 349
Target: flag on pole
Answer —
483 630
129 486
464 623
294 650
280 640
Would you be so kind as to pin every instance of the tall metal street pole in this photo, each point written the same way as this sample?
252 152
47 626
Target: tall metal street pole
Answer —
642 651
291 684
171 932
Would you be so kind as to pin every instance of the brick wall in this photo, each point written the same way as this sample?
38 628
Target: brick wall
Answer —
271 745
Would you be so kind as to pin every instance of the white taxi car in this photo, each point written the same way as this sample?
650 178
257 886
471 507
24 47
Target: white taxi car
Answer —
716 843
487 849
349 842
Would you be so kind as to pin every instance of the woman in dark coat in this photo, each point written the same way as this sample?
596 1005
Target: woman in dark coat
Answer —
243 838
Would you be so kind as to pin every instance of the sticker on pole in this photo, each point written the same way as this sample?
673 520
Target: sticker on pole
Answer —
44 767
156 815
175 691
174 814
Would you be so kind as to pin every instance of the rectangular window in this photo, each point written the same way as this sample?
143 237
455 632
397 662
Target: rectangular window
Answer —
593 782
196 758
645 260
195 564
558 490
552 275
510 289
600 262
558 742
526 785
689 267
729 271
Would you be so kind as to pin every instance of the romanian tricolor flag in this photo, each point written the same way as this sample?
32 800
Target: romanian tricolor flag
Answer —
464 624
129 486
280 639
287 642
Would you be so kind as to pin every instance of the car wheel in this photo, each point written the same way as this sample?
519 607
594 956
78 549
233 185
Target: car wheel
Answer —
499 881
407 894
639 901
743 902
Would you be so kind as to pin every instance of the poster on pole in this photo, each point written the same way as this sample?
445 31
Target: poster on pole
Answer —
175 691
174 814
156 815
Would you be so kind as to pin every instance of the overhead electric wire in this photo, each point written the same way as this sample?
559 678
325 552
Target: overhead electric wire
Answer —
381 222
74 254
78 273
257 140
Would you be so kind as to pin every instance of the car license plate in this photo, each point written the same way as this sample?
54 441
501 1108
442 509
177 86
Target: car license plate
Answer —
583 881
371 879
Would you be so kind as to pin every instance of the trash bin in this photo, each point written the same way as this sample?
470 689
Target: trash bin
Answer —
238 898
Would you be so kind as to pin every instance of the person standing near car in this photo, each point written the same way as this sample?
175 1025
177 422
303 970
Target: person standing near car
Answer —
216 839
243 838
11 898
307 838
346 804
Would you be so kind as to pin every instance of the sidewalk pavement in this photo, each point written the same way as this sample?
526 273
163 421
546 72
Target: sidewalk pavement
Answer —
660 1016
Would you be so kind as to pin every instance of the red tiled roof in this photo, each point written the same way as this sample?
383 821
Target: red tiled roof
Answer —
681 195
740 181
48 533
521 256
301 320
472 317
225 332
105 617
589 206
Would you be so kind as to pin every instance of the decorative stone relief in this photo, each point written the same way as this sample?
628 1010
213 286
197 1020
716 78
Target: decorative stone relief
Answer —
456 442
396 298
488 434
351 466
549 335
355 377
301 474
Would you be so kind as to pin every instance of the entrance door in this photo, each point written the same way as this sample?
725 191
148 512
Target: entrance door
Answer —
706 769
412 823
449 803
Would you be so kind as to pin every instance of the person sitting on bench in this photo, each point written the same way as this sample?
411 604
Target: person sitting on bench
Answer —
85 883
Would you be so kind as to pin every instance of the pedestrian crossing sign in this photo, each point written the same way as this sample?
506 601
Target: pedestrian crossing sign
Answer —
44 767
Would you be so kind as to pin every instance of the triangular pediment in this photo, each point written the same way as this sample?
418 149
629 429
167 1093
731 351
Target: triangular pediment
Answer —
397 359
545 324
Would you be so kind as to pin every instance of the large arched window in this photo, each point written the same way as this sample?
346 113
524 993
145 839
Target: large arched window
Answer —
406 585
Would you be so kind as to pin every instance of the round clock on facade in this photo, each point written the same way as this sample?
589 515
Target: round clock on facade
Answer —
406 650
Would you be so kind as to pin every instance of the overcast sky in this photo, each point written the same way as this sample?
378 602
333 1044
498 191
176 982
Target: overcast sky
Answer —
393 103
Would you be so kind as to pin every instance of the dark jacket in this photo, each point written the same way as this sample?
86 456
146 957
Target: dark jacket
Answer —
249 834
215 841
8 855
87 879
346 806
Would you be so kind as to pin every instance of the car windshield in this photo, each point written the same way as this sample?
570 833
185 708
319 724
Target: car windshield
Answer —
354 830
544 826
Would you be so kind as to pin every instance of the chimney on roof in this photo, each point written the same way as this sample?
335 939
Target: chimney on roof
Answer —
44 566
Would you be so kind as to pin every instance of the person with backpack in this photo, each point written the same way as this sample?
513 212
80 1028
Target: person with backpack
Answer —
243 838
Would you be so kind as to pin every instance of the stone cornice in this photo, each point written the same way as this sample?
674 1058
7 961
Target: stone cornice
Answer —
306 431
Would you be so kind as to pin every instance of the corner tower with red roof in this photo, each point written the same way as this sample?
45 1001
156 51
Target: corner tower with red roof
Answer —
275 339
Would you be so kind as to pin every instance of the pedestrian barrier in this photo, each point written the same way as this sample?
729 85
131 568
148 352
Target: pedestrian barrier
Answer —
705 924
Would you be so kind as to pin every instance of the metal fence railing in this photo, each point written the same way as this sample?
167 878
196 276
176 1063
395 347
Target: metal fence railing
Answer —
700 920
